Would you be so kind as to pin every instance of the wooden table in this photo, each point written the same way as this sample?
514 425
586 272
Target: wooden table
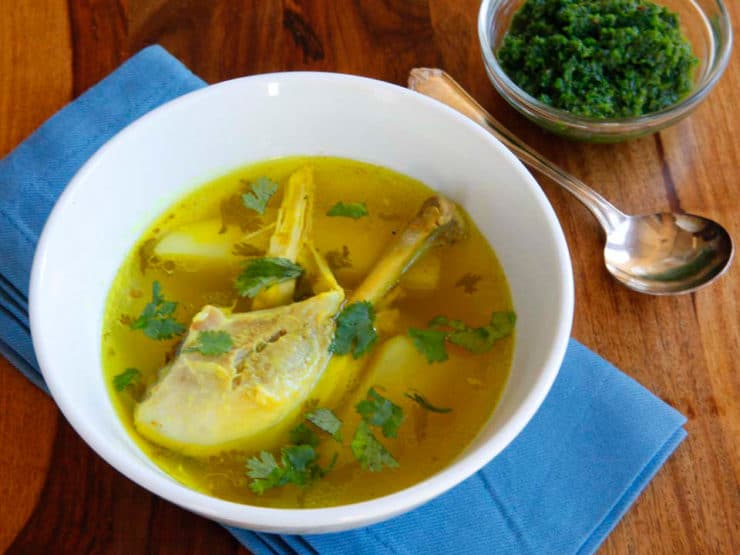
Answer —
57 496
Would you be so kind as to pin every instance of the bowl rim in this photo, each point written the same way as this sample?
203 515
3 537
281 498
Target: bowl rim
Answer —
522 100
315 520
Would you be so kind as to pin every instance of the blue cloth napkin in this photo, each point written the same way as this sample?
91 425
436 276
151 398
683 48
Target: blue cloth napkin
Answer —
560 487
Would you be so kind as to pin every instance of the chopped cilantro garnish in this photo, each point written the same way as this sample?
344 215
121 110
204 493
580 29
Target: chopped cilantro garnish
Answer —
262 191
369 451
480 340
261 273
264 471
297 466
126 378
212 343
298 462
502 324
355 331
327 421
475 340
423 403
431 343
156 321
379 411
352 210
303 435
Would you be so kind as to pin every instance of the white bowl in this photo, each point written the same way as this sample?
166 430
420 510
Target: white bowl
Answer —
188 141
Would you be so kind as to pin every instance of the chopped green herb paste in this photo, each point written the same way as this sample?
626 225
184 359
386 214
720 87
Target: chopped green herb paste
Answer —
599 58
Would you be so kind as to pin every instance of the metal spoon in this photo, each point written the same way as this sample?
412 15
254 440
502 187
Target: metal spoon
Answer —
659 254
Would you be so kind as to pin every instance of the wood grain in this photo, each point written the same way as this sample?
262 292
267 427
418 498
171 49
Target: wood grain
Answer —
58 496
35 81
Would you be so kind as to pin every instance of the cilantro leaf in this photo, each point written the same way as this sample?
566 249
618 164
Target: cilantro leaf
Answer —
475 340
156 320
502 324
352 210
327 421
126 378
369 451
261 273
262 191
355 331
212 343
264 471
164 328
303 435
423 403
481 340
297 466
430 343
379 411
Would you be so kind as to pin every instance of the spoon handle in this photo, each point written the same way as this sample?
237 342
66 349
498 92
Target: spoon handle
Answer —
437 84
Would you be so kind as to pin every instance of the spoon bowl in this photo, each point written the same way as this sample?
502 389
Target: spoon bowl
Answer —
658 254
666 253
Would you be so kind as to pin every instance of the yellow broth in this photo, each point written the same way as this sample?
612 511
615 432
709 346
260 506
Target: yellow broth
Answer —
471 286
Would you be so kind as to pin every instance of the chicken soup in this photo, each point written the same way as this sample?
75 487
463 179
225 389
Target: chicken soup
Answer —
307 332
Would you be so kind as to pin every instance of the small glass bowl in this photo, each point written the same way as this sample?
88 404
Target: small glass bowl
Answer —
705 23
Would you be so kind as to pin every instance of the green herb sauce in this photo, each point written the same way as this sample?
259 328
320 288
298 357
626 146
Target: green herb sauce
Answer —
598 58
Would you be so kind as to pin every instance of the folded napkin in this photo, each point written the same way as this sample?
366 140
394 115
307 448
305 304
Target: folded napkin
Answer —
560 487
